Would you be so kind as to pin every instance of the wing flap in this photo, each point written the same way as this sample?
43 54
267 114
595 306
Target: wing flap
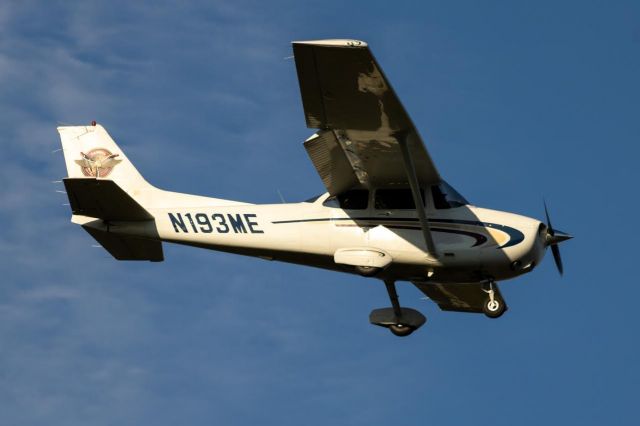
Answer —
331 162
103 199
457 297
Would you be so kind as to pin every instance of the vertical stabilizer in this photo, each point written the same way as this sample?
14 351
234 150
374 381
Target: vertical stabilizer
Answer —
90 152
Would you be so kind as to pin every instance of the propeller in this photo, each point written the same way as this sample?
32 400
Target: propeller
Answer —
553 238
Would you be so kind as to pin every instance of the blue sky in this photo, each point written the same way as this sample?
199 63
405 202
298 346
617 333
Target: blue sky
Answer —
515 103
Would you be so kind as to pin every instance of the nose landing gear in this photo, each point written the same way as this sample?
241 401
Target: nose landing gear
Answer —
400 321
493 306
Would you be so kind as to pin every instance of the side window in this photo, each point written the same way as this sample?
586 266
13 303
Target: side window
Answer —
356 199
400 199
439 199
445 197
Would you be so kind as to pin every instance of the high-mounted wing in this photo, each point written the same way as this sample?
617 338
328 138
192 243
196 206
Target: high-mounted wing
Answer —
457 297
362 122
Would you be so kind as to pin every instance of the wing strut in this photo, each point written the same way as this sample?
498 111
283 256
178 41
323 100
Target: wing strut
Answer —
410 168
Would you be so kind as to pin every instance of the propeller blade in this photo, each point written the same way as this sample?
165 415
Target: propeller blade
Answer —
546 212
553 239
556 257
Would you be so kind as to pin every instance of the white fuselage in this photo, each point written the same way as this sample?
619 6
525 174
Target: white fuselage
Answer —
473 244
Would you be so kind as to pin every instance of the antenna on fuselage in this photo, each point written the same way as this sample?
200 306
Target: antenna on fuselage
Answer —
281 197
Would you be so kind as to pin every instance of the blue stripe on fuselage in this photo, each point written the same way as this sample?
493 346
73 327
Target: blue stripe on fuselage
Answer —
515 235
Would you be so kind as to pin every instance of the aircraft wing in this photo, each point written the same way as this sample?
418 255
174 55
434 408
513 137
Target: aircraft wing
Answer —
457 297
346 95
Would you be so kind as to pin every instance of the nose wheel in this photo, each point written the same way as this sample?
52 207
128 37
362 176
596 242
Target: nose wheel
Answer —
493 306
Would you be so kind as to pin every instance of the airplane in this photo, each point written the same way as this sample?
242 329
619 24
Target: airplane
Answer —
387 213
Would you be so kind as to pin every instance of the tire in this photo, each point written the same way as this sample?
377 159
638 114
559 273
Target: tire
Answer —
367 271
495 309
401 330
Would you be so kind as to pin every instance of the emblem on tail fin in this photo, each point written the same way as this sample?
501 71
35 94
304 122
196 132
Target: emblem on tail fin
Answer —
98 162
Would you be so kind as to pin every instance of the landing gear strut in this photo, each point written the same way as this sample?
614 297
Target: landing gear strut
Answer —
493 306
398 329
400 321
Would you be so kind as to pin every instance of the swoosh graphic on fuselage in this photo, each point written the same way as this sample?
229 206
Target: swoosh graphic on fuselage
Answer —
515 235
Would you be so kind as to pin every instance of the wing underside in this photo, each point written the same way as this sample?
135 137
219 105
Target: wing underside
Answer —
346 95
457 297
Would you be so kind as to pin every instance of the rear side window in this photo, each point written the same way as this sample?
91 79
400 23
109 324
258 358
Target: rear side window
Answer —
445 197
401 199
356 199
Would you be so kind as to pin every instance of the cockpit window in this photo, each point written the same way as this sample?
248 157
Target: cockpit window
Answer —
445 197
356 199
390 199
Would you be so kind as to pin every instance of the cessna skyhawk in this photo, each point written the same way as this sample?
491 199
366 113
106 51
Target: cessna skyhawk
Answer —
387 212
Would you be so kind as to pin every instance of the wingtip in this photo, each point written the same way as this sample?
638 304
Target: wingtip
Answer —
333 43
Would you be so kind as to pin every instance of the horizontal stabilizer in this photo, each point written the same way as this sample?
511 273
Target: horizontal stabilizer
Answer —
128 248
103 199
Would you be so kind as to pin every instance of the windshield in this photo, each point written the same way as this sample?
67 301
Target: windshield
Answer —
445 197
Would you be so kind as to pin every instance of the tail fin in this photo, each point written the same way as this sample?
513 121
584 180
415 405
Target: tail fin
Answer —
89 151
103 184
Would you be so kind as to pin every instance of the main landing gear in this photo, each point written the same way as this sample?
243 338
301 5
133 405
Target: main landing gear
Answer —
493 306
400 321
